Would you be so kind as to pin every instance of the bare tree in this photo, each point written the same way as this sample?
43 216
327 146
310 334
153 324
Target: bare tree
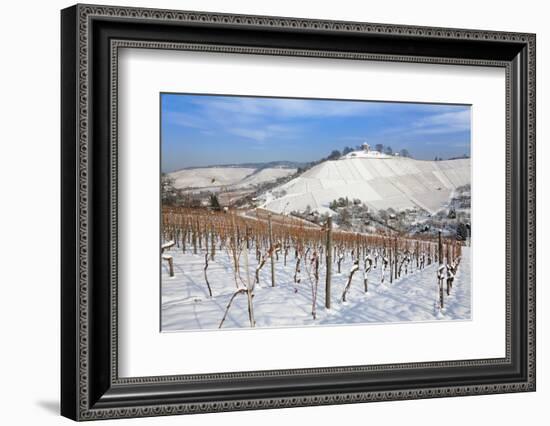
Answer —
340 259
259 268
248 290
313 277
385 263
353 270
367 268
205 276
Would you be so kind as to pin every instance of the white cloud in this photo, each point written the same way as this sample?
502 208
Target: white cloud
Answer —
263 133
183 119
249 109
255 134
442 123
448 122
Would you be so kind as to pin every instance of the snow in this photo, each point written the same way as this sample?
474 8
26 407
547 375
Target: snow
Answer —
379 182
265 175
227 177
167 245
186 305
366 154
209 176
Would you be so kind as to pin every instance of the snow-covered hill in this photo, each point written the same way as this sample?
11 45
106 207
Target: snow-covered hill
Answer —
228 177
380 182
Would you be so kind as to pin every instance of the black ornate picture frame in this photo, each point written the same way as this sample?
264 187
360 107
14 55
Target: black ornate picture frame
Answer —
90 38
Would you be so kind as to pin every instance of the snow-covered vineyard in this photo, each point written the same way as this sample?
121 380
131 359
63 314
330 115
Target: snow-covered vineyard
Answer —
379 182
230 271
216 178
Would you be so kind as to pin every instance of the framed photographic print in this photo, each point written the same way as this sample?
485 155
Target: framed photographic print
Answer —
263 212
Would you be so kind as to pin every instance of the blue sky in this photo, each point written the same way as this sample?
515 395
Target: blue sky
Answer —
203 130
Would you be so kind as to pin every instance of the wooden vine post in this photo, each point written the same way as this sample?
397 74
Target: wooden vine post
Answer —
271 251
213 246
328 262
194 240
440 255
199 233
183 238
395 266
392 260
206 239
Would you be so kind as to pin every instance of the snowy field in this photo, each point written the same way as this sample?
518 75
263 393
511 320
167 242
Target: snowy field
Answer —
186 304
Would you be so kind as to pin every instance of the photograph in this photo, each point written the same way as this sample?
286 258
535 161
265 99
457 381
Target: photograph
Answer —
263 208
287 212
